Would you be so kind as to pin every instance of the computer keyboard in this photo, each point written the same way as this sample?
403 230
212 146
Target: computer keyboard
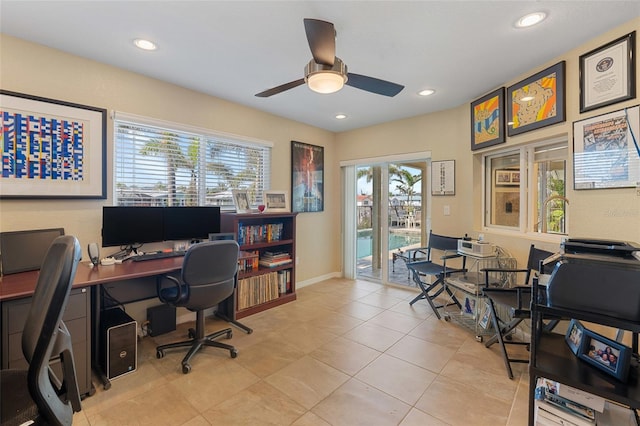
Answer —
159 255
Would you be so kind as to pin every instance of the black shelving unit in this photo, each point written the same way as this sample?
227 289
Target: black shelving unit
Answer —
551 358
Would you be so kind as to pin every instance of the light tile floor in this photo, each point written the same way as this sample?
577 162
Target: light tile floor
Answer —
345 353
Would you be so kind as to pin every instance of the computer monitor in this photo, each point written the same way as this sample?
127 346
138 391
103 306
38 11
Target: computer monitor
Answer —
25 250
129 226
217 236
191 223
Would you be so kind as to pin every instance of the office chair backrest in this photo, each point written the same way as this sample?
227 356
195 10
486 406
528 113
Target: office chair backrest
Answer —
44 330
209 270
442 243
533 263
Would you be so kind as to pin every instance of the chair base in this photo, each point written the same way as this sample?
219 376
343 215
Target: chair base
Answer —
197 341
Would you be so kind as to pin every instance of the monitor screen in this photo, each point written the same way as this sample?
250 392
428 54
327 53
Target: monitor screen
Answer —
191 223
123 226
25 250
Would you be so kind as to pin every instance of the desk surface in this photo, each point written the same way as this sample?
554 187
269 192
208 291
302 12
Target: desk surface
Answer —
15 286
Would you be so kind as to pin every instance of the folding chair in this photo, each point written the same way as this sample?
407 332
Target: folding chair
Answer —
448 246
517 303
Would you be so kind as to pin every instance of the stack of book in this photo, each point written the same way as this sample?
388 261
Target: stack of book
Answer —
248 260
256 290
561 404
271 259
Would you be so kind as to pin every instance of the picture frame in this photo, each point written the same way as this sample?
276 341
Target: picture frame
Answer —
507 177
605 354
62 154
573 337
488 120
276 201
307 177
537 101
607 74
485 320
241 200
443 177
605 150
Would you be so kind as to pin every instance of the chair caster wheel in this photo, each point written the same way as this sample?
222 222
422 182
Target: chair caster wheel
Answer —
479 339
229 334
159 353
192 333
186 368
234 353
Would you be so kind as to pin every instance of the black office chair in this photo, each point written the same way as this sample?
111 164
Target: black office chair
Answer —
38 394
516 301
207 278
440 248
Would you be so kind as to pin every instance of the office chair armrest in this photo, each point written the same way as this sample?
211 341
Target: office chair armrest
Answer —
175 281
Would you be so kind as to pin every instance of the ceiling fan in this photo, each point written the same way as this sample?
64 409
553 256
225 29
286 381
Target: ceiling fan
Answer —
326 73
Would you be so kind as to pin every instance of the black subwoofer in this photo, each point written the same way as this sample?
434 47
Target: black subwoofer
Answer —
119 346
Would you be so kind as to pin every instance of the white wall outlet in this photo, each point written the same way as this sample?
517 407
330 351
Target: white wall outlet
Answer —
447 210
297 260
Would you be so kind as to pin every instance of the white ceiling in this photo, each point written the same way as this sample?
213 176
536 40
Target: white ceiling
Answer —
235 49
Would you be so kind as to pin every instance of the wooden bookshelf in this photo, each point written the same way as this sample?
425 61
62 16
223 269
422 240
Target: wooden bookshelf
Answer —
272 237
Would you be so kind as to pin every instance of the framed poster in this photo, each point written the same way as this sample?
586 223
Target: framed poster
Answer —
537 101
487 120
607 74
605 150
51 148
307 177
443 177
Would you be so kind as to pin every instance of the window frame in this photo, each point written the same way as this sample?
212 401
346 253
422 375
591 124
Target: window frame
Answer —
209 138
526 155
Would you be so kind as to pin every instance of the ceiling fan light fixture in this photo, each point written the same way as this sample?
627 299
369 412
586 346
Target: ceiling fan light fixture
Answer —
324 78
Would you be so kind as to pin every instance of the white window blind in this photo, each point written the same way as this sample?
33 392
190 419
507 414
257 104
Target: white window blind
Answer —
171 165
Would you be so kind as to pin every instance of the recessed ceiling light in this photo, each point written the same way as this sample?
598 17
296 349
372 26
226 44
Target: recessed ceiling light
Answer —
530 19
426 92
145 44
341 116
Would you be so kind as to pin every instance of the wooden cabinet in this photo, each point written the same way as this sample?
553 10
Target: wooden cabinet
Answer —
77 318
551 357
269 281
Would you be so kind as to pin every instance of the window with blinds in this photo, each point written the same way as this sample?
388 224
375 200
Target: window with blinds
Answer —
165 164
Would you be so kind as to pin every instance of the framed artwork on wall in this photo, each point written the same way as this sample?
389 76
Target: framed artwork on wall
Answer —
607 74
487 120
537 101
605 150
307 177
443 177
52 148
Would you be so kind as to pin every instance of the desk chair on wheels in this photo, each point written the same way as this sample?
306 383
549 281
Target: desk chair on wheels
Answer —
447 248
517 303
206 279
38 394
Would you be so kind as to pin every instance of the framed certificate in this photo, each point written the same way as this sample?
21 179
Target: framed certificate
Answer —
607 74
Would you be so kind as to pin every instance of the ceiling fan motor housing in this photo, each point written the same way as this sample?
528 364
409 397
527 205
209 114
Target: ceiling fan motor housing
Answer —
324 78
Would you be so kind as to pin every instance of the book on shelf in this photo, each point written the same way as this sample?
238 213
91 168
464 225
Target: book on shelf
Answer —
256 290
274 263
576 395
274 259
552 402
248 260
253 234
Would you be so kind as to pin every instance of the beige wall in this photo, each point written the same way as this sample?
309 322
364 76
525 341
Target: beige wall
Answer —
609 214
38 70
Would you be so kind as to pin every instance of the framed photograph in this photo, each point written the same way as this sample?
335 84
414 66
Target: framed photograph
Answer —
52 148
241 200
605 354
443 177
537 101
507 177
574 336
276 201
607 74
605 150
487 120
307 177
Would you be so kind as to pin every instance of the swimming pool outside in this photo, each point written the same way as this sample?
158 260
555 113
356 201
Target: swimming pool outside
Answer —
397 239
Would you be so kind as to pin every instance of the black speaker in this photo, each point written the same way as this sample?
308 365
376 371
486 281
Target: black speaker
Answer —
119 343
162 319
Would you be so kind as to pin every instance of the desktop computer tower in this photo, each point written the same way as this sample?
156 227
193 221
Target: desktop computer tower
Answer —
162 319
119 343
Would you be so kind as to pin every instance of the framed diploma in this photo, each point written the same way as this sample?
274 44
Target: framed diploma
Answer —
607 74
443 177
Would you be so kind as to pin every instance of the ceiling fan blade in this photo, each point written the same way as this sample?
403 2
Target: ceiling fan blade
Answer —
373 85
279 89
322 40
